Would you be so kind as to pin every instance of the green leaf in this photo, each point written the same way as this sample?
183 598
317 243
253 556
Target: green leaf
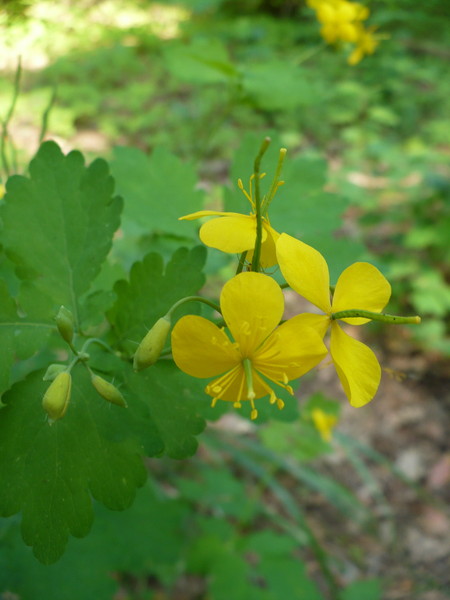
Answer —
157 190
286 578
57 227
300 440
279 85
19 337
164 404
301 207
217 487
174 401
431 293
151 291
203 61
369 590
149 533
51 472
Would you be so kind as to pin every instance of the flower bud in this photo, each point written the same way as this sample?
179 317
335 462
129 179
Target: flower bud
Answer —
152 345
64 323
53 370
108 391
57 396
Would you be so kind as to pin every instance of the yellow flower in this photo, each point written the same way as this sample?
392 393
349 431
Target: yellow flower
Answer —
236 233
252 305
360 286
340 19
366 43
324 423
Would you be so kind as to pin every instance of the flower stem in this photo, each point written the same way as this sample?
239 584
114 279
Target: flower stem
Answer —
374 316
96 341
241 262
275 183
256 170
4 137
213 305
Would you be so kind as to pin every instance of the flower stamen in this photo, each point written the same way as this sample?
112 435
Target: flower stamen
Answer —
219 387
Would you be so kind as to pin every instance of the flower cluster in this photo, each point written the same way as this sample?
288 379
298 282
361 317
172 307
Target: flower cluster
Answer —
343 21
251 352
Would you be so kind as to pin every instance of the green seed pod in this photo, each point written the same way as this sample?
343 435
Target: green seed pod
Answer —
64 323
57 396
152 345
108 391
53 371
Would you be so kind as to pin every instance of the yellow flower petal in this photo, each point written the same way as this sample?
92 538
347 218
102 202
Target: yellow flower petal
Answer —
208 213
201 349
305 270
356 365
361 286
232 234
252 305
318 322
291 350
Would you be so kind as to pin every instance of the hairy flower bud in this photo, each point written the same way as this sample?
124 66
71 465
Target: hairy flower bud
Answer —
152 345
108 391
64 323
53 371
57 396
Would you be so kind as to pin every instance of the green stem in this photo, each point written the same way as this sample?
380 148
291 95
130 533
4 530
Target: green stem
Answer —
96 341
46 114
374 316
213 305
256 171
4 135
241 262
275 183
72 347
310 53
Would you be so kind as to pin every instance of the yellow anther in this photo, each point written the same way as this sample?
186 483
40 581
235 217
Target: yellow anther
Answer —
254 414
237 405
280 403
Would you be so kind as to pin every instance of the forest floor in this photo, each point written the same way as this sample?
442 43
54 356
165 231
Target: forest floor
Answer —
408 423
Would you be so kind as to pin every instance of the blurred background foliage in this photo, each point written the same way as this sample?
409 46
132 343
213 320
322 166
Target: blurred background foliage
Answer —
197 85
196 77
